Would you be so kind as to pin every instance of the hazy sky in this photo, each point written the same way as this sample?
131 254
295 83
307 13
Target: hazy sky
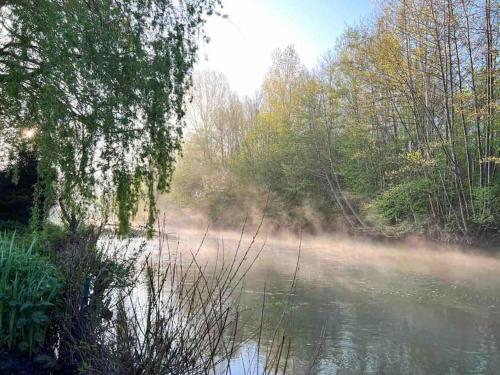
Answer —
241 45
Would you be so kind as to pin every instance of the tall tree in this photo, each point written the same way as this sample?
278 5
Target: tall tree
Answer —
102 84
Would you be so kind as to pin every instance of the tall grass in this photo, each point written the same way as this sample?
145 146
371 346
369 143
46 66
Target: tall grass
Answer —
29 287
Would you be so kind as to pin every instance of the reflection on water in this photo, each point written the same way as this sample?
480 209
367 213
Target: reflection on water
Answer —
376 309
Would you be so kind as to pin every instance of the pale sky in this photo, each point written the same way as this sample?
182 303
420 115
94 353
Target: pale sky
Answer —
241 45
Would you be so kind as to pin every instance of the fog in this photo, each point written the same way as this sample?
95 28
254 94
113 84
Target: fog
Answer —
363 306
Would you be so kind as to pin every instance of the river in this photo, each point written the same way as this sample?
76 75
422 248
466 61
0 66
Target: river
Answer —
360 307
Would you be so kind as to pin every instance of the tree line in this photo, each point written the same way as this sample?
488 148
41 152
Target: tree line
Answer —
396 128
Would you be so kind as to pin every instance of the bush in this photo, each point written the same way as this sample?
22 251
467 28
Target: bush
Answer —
93 274
404 201
487 203
29 288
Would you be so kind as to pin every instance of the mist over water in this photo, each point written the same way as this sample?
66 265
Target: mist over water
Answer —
365 307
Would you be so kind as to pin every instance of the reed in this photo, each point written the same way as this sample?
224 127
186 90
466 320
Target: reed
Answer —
29 287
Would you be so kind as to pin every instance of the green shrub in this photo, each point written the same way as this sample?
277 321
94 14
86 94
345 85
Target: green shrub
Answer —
48 239
487 203
29 287
404 201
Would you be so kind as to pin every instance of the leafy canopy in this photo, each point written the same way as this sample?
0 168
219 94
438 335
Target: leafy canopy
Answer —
100 87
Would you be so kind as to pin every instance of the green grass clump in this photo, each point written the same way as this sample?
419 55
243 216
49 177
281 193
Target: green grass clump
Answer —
29 287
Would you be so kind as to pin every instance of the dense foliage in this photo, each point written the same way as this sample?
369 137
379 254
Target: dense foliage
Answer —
396 128
99 88
29 288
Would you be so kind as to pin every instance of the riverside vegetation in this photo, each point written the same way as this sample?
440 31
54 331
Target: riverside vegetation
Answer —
394 132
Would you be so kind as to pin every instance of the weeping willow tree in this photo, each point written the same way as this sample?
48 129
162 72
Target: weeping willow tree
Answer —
99 86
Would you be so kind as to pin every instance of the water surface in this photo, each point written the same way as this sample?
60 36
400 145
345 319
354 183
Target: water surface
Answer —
367 308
